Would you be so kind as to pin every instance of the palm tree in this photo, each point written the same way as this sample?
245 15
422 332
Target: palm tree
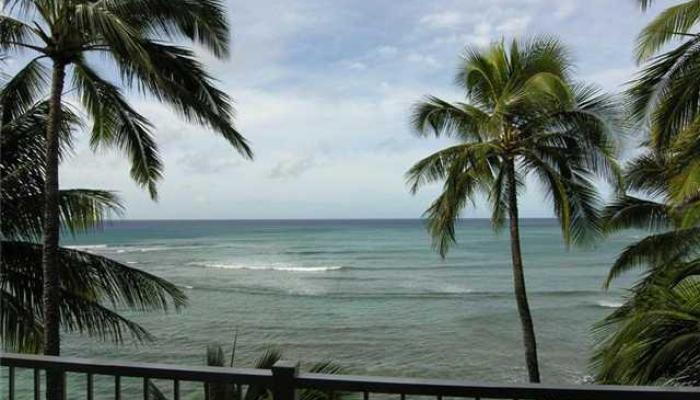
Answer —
523 116
90 284
131 34
655 336
230 391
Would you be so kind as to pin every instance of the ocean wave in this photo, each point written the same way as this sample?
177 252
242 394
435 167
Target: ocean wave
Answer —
272 267
86 247
121 249
609 304
132 262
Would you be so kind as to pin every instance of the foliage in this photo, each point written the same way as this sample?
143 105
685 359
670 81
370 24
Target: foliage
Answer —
649 340
216 357
132 36
524 117
653 338
92 286
523 108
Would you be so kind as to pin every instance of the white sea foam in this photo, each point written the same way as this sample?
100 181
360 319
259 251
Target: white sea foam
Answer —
132 249
454 289
132 262
271 267
609 304
87 246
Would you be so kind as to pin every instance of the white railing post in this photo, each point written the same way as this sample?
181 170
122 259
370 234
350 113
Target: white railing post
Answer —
284 374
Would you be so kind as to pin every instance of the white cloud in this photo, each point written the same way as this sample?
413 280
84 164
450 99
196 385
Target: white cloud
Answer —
323 91
442 20
514 26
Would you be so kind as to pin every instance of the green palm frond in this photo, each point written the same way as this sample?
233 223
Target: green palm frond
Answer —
13 33
438 117
23 90
175 77
657 249
84 315
665 93
627 212
463 180
115 123
653 339
80 210
201 21
102 278
673 23
21 328
89 282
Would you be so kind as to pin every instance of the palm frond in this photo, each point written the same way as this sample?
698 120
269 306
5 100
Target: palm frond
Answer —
438 117
653 250
80 210
14 33
665 94
116 123
175 77
81 272
201 21
437 166
460 186
652 339
23 90
674 22
631 212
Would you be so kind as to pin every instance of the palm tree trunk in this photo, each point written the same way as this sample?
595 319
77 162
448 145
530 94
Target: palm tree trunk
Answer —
529 340
52 284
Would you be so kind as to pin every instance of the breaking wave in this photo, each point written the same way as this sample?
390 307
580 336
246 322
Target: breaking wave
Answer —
272 267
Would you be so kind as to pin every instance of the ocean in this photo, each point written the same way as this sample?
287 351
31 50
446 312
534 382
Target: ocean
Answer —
370 295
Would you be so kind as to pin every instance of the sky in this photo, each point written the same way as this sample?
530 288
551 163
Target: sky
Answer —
323 90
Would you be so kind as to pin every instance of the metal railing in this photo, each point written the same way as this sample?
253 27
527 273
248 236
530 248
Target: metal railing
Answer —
284 381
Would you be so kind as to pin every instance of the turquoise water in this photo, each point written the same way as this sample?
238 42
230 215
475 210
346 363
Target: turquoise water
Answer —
370 295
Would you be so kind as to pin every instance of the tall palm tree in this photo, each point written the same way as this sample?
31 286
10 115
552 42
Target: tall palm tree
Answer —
90 284
523 116
653 337
132 35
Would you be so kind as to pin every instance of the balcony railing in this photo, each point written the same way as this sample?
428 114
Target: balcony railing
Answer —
284 381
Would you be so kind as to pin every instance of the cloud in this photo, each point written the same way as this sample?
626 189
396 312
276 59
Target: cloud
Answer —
442 20
514 26
291 168
323 92
202 163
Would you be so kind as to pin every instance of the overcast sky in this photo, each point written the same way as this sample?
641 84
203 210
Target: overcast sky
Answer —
323 90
